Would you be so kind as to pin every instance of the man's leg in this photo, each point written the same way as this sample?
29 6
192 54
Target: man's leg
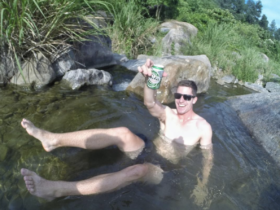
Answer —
50 190
86 139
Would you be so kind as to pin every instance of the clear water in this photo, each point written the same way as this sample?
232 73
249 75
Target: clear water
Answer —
243 175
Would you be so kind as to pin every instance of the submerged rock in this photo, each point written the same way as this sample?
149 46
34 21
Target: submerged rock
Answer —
261 115
3 152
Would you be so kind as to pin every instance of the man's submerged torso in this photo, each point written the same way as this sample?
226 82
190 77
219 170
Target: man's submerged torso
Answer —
170 149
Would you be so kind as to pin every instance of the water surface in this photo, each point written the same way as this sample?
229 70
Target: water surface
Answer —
243 176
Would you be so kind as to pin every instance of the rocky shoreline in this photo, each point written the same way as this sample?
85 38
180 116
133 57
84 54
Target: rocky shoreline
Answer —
260 114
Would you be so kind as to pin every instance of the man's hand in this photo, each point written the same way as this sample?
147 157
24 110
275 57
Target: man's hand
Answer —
146 69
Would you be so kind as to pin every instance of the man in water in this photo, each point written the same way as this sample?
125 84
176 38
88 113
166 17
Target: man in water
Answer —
181 125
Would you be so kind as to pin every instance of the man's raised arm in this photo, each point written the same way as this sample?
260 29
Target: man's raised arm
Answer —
155 108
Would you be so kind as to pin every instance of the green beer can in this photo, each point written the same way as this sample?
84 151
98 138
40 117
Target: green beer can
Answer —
155 80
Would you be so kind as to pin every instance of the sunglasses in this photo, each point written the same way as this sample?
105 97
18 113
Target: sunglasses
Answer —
186 97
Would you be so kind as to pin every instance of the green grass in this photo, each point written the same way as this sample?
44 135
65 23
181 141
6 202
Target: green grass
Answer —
233 48
46 26
131 31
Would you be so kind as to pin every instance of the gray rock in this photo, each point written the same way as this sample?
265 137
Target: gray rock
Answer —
275 76
178 34
153 39
95 53
77 78
261 115
133 64
264 57
118 58
226 79
37 71
64 63
196 68
255 87
145 57
164 30
8 67
273 87
259 81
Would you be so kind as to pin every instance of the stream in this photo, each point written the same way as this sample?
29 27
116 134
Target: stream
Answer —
243 175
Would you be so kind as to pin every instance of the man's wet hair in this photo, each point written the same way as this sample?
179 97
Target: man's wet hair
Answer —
188 83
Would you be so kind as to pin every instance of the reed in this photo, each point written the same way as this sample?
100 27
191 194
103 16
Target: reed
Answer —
46 26
131 32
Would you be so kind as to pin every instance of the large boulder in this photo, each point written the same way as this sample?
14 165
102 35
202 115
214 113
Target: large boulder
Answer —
77 78
196 68
273 87
37 72
95 53
261 115
255 87
178 33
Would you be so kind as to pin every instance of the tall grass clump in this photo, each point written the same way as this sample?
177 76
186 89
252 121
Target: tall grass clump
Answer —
131 32
46 26
249 65
231 47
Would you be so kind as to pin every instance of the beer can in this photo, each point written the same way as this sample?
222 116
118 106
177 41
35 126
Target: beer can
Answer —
155 80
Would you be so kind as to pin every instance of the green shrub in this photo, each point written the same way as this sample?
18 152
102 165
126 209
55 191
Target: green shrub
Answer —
249 65
228 48
46 26
131 32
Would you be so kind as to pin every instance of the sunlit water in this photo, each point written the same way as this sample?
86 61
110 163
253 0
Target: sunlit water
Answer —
243 175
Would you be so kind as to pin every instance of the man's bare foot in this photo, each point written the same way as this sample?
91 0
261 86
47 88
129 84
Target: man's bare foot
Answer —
48 142
38 186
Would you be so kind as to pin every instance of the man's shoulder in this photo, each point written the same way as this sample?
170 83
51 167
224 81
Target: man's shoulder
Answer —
170 111
202 124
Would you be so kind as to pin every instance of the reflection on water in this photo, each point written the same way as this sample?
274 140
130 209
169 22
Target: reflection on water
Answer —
243 175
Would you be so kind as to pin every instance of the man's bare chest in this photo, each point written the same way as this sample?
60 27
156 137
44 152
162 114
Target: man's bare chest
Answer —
186 133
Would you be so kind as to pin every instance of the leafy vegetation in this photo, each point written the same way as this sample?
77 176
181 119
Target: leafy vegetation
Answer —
131 32
232 33
233 48
49 27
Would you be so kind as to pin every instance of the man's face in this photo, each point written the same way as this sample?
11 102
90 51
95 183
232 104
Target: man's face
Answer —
182 105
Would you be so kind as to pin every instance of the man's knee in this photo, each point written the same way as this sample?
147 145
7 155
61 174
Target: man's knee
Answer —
136 172
127 139
122 131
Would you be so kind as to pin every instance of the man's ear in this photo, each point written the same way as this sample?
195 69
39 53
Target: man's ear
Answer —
194 100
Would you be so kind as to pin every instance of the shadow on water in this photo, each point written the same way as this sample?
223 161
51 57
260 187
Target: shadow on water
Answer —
243 175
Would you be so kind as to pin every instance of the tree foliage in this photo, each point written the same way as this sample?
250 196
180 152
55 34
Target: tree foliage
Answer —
272 28
264 22
253 11
236 7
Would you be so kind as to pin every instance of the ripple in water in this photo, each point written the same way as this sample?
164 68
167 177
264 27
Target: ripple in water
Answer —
121 86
